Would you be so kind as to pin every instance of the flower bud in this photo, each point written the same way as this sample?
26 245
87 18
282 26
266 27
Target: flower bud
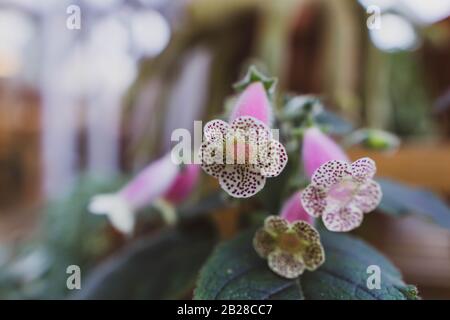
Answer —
253 102
184 184
293 210
149 185
318 149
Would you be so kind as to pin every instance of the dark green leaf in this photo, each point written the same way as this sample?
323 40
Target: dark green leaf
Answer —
305 110
203 207
400 199
164 266
69 234
234 271
344 273
254 75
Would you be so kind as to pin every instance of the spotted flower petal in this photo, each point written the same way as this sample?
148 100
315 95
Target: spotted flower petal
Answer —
314 200
286 264
264 243
305 232
215 130
241 181
274 161
313 257
363 169
289 247
330 173
212 158
342 219
276 225
253 127
368 196
341 193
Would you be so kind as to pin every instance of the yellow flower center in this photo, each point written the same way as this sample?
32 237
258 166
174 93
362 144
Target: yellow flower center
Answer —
290 242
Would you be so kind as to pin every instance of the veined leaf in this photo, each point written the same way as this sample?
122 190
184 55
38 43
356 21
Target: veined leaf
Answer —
345 272
234 271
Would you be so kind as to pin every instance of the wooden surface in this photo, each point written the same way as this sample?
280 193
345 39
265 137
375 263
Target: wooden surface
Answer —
421 250
424 164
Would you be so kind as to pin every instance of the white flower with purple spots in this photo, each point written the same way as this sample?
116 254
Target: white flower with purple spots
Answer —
341 193
243 153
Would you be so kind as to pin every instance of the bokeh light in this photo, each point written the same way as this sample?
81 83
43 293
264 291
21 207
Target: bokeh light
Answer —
395 34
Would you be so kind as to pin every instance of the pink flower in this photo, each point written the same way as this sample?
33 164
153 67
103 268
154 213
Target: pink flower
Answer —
183 184
341 193
293 210
151 183
161 179
253 102
241 155
317 149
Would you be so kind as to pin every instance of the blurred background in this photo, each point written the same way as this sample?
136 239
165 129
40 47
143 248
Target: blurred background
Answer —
99 100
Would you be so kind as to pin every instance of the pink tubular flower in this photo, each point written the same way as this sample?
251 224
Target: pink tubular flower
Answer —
341 193
243 153
293 210
183 184
162 178
253 102
318 148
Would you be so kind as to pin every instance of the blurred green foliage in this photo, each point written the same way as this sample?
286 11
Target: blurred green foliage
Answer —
69 235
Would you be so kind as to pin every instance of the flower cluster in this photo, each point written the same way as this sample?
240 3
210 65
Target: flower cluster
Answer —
242 153
340 191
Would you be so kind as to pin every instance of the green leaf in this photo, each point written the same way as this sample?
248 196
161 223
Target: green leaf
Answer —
164 266
303 111
344 273
234 271
203 207
254 75
68 234
400 199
